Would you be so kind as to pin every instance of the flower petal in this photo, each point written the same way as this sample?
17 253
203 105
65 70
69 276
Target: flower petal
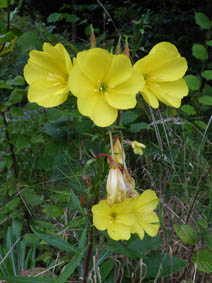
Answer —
120 70
136 228
163 63
103 114
47 95
59 53
146 202
170 93
150 98
94 63
150 229
86 104
34 72
123 96
47 62
118 231
101 212
79 84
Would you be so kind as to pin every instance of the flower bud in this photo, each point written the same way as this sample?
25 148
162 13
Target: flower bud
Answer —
137 147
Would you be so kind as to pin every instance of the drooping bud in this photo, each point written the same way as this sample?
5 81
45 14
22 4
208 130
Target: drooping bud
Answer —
116 187
118 47
119 154
92 38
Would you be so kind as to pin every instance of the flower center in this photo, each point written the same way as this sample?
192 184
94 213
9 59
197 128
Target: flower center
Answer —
113 215
114 218
103 88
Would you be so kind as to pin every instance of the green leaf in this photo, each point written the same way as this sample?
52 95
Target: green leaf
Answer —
204 260
16 96
76 203
106 268
28 41
55 17
21 142
162 265
9 244
17 111
209 43
70 18
82 241
4 3
6 37
137 127
31 239
193 82
31 197
144 246
203 21
207 74
188 109
71 266
201 124
199 52
119 248
128 117
206 100
208 240
18 80
54 114
5 85
187 234
52 210
55 242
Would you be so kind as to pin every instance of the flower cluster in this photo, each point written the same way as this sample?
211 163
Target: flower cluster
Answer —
125 212
104 83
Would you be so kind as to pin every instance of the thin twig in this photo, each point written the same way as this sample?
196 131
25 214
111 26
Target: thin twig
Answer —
88 257
109 16
12 150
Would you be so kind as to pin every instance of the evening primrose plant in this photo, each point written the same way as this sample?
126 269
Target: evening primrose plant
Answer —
104 85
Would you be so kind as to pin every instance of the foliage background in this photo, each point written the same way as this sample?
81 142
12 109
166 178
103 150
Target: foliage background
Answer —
46 164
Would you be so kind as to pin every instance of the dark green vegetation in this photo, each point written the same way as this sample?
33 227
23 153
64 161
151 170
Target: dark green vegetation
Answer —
47 170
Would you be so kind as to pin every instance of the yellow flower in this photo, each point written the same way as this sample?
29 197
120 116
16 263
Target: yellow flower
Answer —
137 147
104 83
116 219
146 219
163 69
47 74
116 187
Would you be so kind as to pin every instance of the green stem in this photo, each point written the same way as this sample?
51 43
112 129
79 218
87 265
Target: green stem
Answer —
111 144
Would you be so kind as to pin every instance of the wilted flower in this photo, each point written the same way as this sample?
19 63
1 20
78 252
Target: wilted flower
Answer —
47 74
137 147
104 83
116 186
146 219
163 69
130 184
116 219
